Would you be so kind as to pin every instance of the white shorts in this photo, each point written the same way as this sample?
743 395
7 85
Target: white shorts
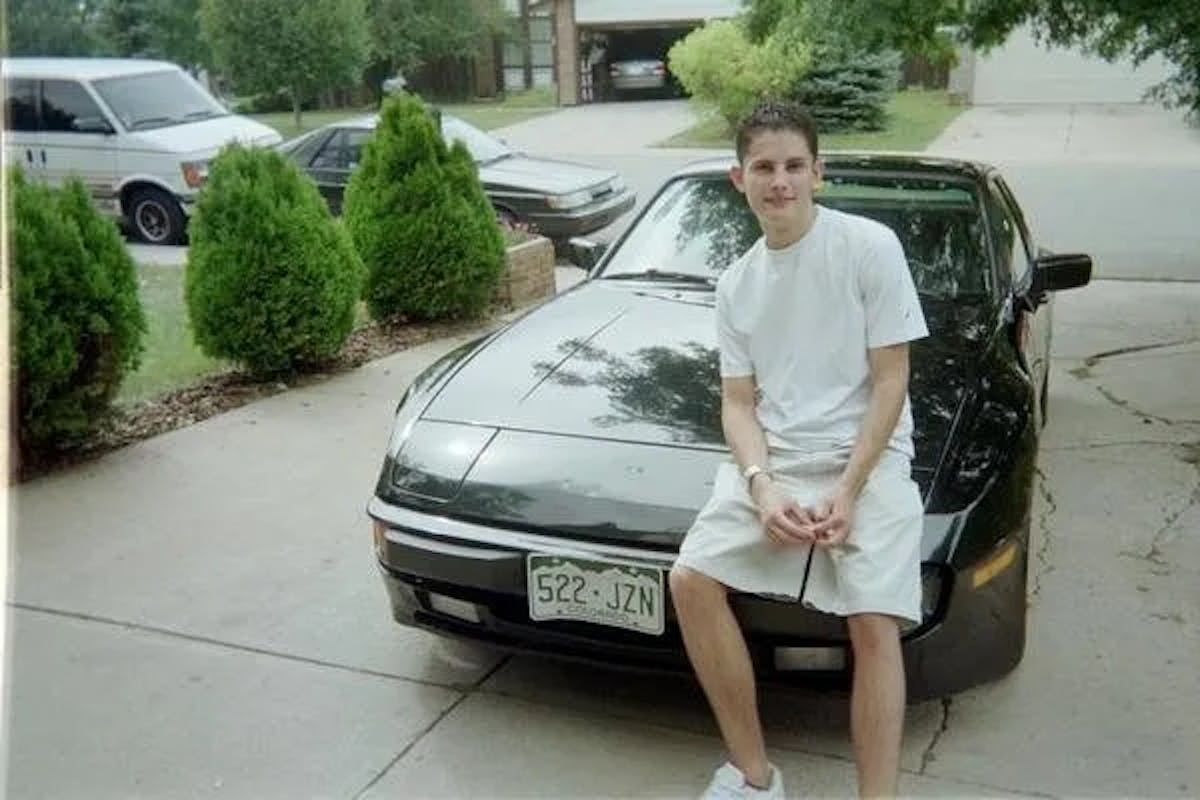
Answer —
876 570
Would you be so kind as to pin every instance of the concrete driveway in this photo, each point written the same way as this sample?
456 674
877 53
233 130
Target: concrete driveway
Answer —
199 615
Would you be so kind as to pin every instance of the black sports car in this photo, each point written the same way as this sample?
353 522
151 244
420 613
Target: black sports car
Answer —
539 480
558 199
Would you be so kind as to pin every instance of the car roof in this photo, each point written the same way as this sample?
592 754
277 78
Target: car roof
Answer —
876 161
81 68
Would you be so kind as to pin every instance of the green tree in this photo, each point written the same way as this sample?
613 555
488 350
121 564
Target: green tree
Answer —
304 46
51 27
166 29
420 219
272 279
406 34
79 322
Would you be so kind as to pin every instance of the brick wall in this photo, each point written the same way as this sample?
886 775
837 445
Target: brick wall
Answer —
528 273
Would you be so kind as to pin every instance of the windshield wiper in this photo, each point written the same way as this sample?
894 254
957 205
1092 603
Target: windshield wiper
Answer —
139 123
201 114
661 275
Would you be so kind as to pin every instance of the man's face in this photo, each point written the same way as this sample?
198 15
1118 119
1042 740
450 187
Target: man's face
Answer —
778 177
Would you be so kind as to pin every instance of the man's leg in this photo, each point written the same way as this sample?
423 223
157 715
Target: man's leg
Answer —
877 704
718 653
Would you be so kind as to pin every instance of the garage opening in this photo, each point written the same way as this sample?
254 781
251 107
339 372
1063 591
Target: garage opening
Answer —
628 63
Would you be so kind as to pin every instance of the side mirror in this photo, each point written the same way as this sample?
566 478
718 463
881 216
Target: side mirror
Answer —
1054 272
585 253
93 125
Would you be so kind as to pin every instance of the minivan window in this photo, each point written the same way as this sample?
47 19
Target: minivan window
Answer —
64 104
20 106
157 100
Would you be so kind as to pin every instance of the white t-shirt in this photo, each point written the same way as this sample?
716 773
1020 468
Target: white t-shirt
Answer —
800 321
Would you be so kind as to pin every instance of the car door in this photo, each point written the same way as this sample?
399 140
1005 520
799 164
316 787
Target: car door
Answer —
334 161
78 140
23 143
1015 254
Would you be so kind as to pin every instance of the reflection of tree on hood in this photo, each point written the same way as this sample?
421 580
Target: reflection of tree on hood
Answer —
718 212
677 388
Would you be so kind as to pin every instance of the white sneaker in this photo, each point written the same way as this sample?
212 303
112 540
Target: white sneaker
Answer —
728 783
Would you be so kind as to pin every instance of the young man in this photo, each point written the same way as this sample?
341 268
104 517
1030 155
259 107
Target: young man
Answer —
813 327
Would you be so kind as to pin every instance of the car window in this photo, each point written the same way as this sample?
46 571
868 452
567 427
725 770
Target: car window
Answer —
20 105
330 155
158 100
482 147
1026 240
1010 246
701 225
64 104
352 151
304 147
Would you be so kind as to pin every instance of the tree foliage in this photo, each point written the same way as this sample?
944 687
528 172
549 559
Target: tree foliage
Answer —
165 29
407 34
79 322
420 219
304 46
51 28
272 279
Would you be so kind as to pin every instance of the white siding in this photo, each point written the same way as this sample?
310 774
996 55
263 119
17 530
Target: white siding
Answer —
610 12
1021 71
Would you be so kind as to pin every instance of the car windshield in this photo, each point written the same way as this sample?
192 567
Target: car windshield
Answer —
157 100
482 147
699 226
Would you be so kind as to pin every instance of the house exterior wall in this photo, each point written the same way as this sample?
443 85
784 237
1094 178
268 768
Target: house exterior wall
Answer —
1022 71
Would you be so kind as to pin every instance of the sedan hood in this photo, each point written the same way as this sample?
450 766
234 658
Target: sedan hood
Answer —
205 138
611 361
525 173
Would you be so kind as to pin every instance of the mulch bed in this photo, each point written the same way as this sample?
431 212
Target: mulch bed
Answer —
222 392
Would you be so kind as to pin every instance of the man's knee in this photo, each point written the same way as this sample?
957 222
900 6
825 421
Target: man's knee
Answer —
690 588
873 634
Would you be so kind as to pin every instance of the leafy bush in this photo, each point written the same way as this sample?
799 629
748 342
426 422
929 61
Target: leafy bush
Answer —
849 89
272 102
272 279
721 67
79 323
418 215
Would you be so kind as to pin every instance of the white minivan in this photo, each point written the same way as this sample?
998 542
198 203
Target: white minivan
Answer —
138 133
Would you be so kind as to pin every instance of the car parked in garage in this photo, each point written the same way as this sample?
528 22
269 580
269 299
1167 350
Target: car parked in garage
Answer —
539 480
559 199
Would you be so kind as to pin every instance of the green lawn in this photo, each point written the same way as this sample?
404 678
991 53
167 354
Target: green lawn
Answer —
485 114
915 118
170 360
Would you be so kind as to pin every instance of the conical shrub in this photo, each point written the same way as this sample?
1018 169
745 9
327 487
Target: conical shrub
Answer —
272 279
79 323
421 222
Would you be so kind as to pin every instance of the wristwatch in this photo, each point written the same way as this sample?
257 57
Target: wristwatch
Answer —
749 472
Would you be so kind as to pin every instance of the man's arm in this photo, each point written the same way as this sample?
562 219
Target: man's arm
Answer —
783 519
889 388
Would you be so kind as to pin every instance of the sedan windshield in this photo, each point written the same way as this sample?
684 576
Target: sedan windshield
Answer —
482 147
157 100
699 226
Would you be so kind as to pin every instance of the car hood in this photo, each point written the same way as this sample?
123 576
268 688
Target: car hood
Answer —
612 361
205 138
544 175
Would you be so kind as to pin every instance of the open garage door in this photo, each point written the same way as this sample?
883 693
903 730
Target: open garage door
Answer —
629 62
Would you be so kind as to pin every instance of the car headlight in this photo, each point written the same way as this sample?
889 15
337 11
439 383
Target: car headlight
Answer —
571 200
195 173
434 457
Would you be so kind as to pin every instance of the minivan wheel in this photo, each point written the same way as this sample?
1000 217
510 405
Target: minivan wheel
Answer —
156 217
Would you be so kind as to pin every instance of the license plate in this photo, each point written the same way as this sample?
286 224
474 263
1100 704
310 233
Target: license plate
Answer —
601 592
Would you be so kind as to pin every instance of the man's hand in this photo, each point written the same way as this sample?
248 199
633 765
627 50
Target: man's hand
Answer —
785 521
833 518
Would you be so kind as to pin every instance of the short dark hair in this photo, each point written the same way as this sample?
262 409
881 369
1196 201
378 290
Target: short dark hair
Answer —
773 115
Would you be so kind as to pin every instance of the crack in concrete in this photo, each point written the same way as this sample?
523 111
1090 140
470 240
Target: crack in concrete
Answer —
408 748
1066 448
1096 358
1144 416
929 754
1190 454
1043 567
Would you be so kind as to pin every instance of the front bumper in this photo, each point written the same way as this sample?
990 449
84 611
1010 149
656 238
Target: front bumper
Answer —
466 580
584 219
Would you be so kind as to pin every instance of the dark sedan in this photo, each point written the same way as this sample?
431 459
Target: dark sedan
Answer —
538 481
559 199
